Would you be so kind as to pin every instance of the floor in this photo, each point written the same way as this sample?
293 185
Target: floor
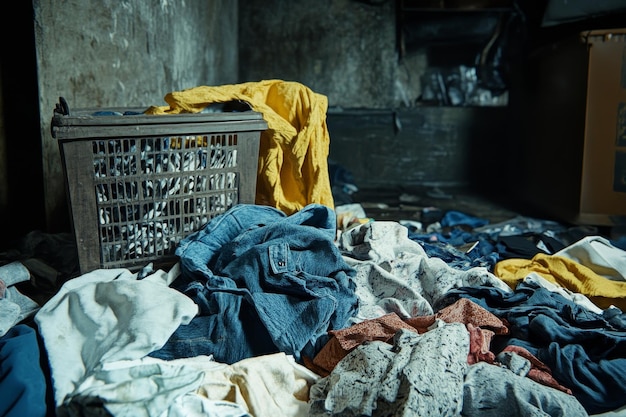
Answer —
415 204
422 204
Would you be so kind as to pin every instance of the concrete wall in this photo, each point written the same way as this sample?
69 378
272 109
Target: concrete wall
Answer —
421 146
344 49
351 51
123 53
133 52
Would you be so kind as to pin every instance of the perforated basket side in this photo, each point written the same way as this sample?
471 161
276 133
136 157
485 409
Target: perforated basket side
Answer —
132 199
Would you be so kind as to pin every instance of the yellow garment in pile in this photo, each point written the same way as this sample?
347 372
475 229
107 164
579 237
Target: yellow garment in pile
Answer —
568 274
293 151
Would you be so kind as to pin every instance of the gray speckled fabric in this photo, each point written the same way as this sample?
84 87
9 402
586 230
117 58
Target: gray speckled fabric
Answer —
395 274
494 391
420 375
514 362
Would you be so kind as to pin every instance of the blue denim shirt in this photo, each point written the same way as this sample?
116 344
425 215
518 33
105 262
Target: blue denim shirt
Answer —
264 282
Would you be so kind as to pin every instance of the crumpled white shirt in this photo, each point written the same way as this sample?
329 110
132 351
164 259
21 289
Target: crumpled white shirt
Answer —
598 254
106 316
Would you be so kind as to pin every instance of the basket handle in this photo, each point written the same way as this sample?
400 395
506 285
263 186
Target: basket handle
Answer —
62 107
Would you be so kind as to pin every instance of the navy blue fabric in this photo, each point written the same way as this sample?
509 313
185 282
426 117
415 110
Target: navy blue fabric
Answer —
22 381
458 218
586 351
265 282
444 245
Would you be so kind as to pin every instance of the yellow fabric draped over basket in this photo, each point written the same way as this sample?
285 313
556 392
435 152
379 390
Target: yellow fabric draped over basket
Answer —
293 152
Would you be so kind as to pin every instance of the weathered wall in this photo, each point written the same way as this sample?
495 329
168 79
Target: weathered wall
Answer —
344 49
421 146
125 53
349 50
4 183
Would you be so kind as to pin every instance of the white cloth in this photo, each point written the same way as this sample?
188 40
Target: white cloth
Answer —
14 273
14 306
146 386
194 405
105 316
9 315
598 254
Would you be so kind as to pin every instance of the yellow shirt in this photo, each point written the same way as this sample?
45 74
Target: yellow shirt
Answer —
293 151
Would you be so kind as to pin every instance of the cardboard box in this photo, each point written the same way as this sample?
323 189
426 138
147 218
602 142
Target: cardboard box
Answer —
572 161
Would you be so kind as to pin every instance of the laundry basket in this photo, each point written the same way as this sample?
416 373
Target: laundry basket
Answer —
137 184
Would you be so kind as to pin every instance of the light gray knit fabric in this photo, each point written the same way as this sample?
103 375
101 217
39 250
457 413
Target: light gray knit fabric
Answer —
9 315
14 306
514 362
13 273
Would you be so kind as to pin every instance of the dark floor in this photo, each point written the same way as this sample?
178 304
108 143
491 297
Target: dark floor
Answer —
411 203
414 204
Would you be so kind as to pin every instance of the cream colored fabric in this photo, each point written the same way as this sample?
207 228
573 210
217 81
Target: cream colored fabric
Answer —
270 385
293 153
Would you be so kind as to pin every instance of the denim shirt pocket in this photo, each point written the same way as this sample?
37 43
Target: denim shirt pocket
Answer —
279 255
